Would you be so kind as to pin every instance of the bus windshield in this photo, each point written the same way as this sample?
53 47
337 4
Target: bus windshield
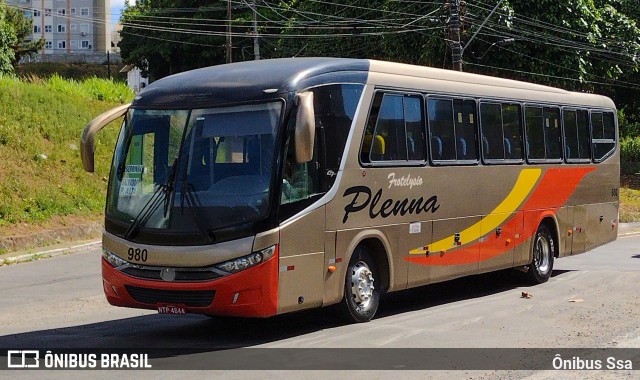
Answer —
193 172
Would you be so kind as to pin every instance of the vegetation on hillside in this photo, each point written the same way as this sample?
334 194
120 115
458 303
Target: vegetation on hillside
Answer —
40 126
76 71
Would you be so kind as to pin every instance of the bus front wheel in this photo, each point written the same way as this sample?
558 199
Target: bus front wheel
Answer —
543 252
361 288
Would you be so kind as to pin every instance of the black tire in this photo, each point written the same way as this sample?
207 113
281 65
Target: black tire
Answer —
361 288
542 253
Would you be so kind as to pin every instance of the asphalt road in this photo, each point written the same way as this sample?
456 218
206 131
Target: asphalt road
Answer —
591 301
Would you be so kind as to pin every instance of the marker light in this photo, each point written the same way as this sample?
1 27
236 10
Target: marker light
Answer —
248 261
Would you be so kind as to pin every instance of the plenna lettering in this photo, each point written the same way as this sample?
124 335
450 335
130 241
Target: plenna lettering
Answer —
362 198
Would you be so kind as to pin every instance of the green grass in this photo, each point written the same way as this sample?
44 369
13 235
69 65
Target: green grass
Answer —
630 198
40 126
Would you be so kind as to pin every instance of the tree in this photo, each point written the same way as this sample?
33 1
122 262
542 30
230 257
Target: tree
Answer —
333 28
174 36
7 40
22 27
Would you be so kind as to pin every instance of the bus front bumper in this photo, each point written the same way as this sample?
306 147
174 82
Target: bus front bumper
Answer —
249 293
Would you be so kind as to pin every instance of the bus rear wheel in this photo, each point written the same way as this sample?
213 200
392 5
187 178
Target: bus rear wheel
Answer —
361 290
543 252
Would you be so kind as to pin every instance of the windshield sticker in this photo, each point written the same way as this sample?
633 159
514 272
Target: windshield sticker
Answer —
134 169
129 186
362 198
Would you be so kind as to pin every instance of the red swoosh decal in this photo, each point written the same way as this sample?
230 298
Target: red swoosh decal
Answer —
555 187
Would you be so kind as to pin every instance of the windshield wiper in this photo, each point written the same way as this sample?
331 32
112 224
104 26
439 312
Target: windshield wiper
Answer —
188 191
154 202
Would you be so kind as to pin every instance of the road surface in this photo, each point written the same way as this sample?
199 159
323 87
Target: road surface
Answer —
591 301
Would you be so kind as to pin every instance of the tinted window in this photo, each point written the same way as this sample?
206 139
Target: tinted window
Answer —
452 129
501 137
603 133
395 130
543 133
576 135
512 129
535 133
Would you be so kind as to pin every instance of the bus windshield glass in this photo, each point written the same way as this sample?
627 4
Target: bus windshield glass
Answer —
193 172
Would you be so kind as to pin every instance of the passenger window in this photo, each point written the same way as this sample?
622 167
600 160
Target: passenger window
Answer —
465 120
512 130
552 140
603 133
452 129
576 135
395 130
543 133
501 136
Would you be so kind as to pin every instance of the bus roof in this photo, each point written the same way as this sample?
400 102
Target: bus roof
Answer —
260 80
247 81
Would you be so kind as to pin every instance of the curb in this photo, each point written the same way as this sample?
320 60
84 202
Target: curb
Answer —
50 253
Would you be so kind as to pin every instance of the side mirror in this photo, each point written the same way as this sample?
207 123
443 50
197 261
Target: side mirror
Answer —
305 131
87 141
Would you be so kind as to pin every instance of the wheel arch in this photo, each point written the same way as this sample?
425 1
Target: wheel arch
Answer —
379 247
551 222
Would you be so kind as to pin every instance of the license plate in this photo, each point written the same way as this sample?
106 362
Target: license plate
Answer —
172 309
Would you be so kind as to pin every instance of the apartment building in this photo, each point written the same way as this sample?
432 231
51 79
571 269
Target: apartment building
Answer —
69 27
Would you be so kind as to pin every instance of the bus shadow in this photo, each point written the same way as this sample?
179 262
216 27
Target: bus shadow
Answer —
460 289
168 336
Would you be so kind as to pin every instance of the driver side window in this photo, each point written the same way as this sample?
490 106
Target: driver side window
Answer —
300 181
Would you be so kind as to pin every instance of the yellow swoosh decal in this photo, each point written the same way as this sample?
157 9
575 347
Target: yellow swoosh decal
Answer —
525 183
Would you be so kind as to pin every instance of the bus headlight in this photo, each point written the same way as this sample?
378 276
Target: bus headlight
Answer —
112 258
248 261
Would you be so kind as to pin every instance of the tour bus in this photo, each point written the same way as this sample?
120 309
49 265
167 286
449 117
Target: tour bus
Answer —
260 188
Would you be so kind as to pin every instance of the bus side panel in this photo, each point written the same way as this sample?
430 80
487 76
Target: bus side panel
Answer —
332 281
500 253
418 274
302 262
602 224
464 264
564 217
579 229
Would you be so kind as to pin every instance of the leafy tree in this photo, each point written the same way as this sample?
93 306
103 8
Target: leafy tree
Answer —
7 40
172 36
333 28
22 28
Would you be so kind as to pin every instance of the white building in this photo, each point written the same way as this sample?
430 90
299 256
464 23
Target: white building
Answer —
69 26
135 81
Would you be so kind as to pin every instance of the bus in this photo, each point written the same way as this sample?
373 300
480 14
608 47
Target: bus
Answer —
260 188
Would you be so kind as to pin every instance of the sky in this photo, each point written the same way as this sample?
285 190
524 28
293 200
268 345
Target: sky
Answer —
116 10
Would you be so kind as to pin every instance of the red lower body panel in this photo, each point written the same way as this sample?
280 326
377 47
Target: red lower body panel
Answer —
250 293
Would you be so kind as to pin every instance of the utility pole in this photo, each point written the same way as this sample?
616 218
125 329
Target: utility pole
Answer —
229 58
454 34
454 25
256 41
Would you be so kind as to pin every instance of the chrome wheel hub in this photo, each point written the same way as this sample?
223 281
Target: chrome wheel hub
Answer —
362 286
542 254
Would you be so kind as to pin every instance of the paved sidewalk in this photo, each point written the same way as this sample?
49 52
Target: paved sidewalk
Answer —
625 229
